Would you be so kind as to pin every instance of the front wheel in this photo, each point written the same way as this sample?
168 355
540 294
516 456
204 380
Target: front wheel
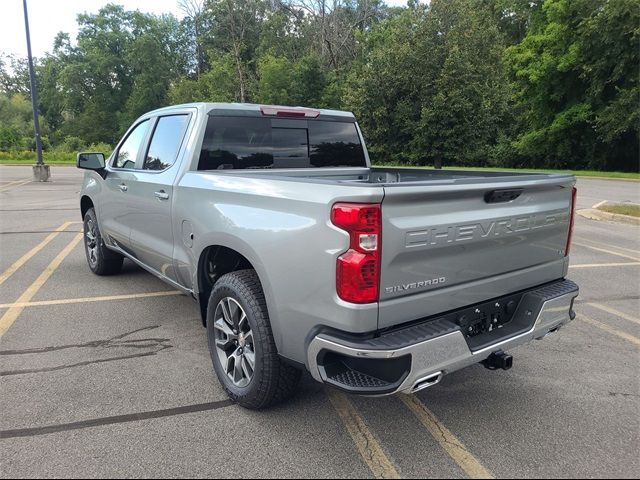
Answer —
101 260
241 343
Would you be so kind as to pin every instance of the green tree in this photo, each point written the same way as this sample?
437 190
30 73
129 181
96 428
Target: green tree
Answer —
549 83
233 28
576 74
122 66
218 84
465 108
286 82
382 87
14 74
16 123
430 86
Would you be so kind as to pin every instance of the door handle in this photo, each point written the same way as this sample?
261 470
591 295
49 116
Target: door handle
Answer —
123 187
162 195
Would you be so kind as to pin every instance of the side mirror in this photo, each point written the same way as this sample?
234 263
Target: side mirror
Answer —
90 160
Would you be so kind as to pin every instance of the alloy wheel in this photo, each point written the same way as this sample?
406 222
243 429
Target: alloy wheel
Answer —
234 342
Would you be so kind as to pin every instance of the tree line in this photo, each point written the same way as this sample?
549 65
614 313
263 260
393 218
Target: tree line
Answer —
508 83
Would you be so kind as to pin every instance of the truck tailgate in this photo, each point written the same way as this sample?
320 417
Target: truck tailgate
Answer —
450 246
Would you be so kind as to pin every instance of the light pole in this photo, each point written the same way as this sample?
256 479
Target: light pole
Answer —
41 171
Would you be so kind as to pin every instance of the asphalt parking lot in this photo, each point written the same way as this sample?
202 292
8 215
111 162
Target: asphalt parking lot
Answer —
111 376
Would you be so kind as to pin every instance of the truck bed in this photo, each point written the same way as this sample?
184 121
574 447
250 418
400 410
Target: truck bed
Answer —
389 176
450 238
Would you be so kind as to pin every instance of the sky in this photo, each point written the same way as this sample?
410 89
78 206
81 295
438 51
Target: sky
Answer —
48 17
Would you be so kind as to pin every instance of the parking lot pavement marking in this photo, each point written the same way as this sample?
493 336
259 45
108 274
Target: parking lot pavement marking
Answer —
8 184
98 422
65 301
447 440
598 249
13 313
16 183
25 258
617 247
611 330
613 311
367 445
26 232
595 265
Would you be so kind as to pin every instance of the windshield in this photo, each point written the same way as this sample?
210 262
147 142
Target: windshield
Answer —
250 142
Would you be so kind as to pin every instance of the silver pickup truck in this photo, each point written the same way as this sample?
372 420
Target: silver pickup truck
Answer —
303 256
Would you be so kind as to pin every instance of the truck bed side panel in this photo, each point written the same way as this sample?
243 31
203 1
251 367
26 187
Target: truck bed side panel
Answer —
283 229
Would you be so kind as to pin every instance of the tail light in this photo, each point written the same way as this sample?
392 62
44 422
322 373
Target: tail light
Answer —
574 193
358 269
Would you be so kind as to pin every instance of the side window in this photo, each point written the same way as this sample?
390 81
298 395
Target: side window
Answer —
128 151
236 142
165 143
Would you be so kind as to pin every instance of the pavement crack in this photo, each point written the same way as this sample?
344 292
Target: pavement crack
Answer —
98 422
82 364
155 345
621 394
110 342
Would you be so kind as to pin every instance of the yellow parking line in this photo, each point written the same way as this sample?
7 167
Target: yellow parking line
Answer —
447 440
13 182
17 183
594 265
598 249
613 311
25 258
66 301
598 244
611 330
367 445
12 314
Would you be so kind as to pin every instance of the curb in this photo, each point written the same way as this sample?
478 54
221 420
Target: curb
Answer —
593 214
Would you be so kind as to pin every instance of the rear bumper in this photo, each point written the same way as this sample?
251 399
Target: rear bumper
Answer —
417 357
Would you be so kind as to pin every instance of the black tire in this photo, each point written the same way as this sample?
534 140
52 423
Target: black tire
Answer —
272 379
101 260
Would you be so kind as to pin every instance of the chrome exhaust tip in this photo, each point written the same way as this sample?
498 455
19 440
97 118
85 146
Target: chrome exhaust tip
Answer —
427 382
551 331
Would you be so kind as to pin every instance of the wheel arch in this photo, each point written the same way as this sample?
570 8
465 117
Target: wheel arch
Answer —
85 204
217 260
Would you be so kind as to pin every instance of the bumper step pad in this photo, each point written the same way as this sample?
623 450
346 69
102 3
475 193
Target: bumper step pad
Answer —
358 380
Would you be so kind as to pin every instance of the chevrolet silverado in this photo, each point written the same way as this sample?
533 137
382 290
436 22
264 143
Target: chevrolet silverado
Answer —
301 255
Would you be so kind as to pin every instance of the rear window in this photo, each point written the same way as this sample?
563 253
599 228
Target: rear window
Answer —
250 142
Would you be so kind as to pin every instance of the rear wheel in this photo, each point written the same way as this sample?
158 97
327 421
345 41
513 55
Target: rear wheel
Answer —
101 260
241 343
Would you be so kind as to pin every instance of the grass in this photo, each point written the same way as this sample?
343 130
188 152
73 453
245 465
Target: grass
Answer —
577 173
56 156
29 158
32 161
62 158
630 209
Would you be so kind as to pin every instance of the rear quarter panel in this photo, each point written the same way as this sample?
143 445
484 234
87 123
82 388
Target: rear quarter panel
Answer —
282 227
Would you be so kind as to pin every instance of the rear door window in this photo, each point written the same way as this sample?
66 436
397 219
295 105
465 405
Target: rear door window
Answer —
165 143
254 142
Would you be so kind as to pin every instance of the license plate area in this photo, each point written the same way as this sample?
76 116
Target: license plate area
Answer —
488 322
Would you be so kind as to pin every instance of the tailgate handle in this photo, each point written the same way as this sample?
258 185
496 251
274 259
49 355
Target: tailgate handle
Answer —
500 196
